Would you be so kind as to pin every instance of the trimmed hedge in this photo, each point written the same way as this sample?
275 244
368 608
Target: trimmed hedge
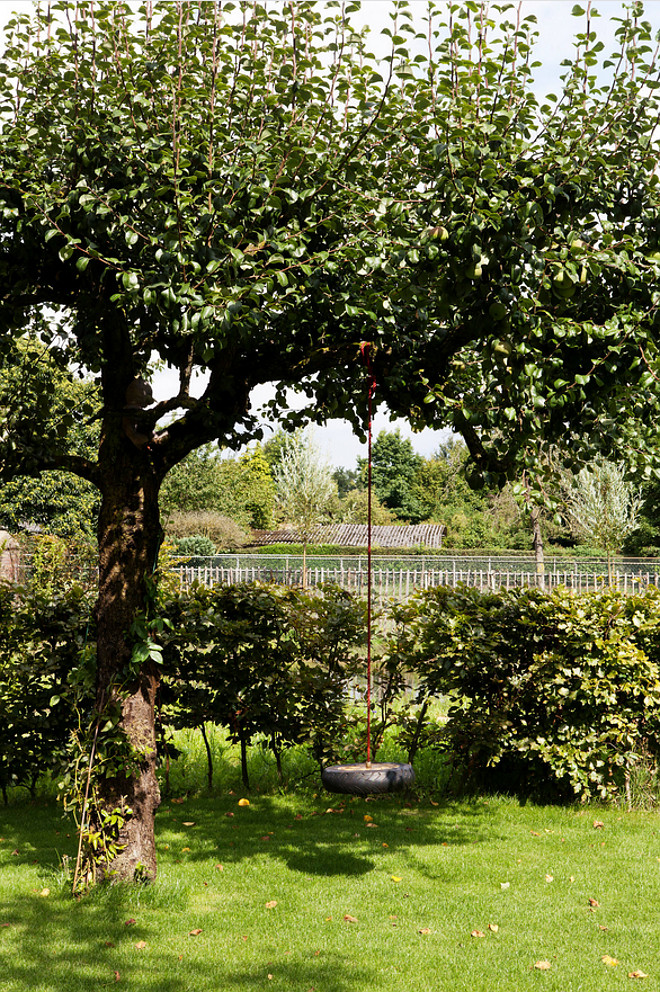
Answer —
550 694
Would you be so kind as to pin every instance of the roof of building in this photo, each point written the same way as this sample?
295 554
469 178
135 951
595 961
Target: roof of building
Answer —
355 536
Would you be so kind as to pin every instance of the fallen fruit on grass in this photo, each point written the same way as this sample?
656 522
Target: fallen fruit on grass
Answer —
243 802
543 966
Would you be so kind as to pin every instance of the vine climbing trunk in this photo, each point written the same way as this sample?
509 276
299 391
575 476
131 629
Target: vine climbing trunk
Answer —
129 536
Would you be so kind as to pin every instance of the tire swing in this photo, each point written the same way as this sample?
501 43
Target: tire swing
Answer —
368 778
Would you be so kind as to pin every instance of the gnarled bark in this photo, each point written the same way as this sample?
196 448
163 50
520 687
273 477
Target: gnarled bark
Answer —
129 536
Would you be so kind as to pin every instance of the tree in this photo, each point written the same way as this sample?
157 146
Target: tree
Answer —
603 506
304 486
238 191
395 465
59 503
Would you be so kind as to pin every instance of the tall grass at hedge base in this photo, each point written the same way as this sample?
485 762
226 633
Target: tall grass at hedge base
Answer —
554 696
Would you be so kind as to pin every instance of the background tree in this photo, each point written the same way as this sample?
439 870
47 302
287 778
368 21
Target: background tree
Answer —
603 506
57 502
394 468
238 191
305 487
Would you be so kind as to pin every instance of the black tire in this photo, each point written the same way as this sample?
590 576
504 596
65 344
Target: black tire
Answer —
358 780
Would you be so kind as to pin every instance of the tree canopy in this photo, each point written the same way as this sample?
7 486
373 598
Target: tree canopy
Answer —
242 190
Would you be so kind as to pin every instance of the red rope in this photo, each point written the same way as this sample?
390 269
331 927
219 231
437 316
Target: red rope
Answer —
365 349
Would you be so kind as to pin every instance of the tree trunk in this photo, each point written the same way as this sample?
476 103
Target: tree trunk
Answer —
209 757
537 544
244 765
129 537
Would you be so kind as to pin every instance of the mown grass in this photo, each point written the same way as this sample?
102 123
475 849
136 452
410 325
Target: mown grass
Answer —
418 882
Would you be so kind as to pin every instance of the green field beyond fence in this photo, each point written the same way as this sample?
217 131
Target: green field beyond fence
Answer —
398 577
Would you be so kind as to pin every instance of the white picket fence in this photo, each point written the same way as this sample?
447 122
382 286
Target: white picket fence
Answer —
399 583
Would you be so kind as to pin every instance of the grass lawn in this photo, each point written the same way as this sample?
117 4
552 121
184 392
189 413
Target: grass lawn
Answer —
293 894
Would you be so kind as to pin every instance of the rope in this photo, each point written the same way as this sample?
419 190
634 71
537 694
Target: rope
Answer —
365 350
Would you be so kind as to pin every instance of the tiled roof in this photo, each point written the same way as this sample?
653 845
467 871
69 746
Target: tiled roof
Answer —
355 536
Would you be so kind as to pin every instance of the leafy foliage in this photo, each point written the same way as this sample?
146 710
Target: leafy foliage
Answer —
394 468
262 660
547 692
41 639
500 249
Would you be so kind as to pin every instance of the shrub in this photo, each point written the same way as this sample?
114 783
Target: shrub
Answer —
264 661
197 545
225 533
41 639
547 690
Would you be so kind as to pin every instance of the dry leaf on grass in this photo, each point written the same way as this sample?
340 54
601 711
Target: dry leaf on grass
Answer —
140 946
594 903
493 927
243 802
598 824
367 818
44 893
425 930
117 976
188 823
396 878
549 878
477 933
609 960
129 923
219 867
195 933
637 974
272 904
350 919
543 966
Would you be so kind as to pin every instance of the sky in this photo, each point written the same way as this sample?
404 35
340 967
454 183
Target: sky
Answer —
556 34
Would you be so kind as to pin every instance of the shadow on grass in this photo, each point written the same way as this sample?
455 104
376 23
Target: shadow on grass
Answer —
55 944
347 838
